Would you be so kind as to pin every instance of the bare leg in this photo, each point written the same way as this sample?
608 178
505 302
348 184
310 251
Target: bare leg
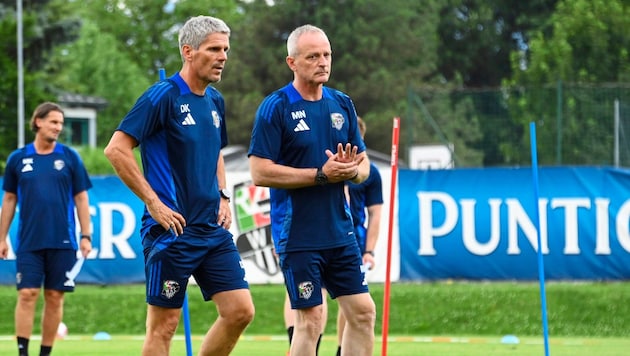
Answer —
308 326
25 311
236 311
341 325
289 314
360 313
161 325
324 310
52 315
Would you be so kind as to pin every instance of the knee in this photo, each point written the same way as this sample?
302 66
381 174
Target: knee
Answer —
28 295
242 316
364 315
164 329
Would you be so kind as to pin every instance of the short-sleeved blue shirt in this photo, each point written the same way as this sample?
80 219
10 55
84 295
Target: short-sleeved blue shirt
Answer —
180 135
295 132
45 186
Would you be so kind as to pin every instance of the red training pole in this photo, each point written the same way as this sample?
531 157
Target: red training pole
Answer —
392 199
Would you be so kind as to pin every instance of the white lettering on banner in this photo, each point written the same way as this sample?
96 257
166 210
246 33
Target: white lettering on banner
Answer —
108 239
571 207
468 219
427 231
602 241
622 226
517 217
517 220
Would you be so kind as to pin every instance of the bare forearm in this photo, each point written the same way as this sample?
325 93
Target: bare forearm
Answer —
221 180
128 171
83 212
9 202
265 173
374 226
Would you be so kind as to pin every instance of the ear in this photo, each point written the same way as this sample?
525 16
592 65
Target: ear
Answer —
187 52
291 62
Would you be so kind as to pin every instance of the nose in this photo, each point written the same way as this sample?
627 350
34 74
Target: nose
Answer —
223 56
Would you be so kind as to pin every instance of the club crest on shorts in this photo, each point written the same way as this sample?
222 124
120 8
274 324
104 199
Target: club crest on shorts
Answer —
169 289
337 120
305 289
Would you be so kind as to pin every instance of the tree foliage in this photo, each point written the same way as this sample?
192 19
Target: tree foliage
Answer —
43 30
583 41
394 58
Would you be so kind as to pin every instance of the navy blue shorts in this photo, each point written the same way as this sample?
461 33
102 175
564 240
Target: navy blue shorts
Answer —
209 255
339 269
45 267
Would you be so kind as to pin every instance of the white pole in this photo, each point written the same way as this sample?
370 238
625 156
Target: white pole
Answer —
20 57
617 133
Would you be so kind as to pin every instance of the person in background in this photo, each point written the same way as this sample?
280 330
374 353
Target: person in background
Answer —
179 124
305 145
47 180
367 195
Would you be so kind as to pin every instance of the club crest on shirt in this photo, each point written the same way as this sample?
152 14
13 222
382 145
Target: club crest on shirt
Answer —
169 289
216 120
337 120
59 164
305 289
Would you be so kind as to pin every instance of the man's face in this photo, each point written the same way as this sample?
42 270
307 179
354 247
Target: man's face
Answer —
50 126
313 62
209 60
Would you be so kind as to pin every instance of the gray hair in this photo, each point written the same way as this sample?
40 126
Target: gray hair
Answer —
296 34
196 29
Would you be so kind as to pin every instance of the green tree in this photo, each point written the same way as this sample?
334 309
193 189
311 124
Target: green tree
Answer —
477 37
43 30
584 41
147 29
379 50
96 65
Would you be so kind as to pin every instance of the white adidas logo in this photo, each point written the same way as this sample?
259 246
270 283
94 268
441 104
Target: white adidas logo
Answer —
189 120
301 126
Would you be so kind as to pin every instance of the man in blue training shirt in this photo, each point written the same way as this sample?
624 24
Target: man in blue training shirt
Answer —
305 145
46 179
367 195
179 124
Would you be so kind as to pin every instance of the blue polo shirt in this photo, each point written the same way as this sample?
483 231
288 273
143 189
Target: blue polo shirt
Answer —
295 132
180 135
45 186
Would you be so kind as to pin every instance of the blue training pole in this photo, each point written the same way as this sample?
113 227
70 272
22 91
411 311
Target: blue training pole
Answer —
541 265
185 312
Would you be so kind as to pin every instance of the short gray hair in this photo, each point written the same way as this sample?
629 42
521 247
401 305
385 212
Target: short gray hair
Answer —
296 34
196 29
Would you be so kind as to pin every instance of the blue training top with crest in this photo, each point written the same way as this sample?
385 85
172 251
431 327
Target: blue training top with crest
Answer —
45 186
295 132
179 133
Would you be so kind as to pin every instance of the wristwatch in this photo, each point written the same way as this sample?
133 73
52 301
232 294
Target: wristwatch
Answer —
320 177
225 194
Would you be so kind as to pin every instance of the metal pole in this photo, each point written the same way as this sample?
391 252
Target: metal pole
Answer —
20 84
539 252
616 133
